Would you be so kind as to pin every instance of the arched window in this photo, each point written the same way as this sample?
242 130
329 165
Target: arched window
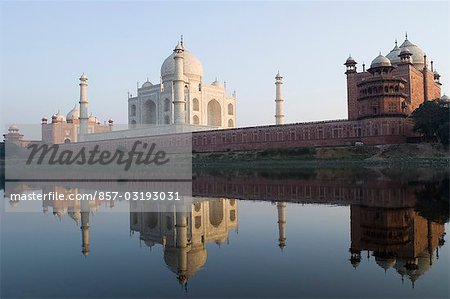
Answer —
151 219
214 113
215 212
133 110
166 104
230 123
149 115
67 140
230 109
196 120
196 104
133 122
233 215
167 120
198 221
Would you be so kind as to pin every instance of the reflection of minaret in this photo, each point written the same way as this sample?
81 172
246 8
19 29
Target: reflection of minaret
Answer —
281 207
182 245
85 227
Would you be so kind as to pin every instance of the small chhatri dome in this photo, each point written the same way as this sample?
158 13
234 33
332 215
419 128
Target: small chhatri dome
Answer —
73 114
405 51
380 61
92 119
350 60
13 128
83 77
278 76
217 83
58 117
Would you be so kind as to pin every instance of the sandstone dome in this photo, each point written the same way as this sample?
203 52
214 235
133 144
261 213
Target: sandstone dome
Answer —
380 61
417 53
393 55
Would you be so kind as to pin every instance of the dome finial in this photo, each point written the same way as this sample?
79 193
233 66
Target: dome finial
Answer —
181 40
406 35
396 42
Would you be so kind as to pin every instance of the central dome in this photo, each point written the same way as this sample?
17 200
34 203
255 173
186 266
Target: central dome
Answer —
193 68
417 53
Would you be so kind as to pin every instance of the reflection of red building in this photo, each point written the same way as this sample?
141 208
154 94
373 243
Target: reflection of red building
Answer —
397 237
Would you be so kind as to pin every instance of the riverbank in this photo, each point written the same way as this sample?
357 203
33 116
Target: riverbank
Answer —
420 155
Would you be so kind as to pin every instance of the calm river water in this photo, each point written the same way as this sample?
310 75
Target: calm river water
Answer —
279 233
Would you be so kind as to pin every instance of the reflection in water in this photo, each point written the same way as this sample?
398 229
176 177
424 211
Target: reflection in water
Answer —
397 237
184 235
391 218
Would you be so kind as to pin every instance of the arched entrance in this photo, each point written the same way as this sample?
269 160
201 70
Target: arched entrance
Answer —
149 116
214 113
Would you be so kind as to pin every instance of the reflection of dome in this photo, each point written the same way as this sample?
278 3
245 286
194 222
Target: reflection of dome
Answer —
149 243
393 55
76 216
196 258
73 114
192 66
60 212
414 269
13 203
385 263
380 61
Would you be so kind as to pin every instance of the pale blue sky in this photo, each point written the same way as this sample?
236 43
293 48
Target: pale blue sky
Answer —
45 46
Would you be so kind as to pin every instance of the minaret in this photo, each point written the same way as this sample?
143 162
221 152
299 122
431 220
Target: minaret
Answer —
352 90
281 207
279 113
179 102
84 117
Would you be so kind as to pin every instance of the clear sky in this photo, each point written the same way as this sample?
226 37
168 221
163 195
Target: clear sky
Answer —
45 46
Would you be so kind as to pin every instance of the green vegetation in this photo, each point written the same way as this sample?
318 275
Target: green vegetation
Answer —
432 120
433 201
427 155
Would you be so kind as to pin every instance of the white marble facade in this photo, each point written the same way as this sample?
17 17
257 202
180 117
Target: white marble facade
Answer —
206 104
